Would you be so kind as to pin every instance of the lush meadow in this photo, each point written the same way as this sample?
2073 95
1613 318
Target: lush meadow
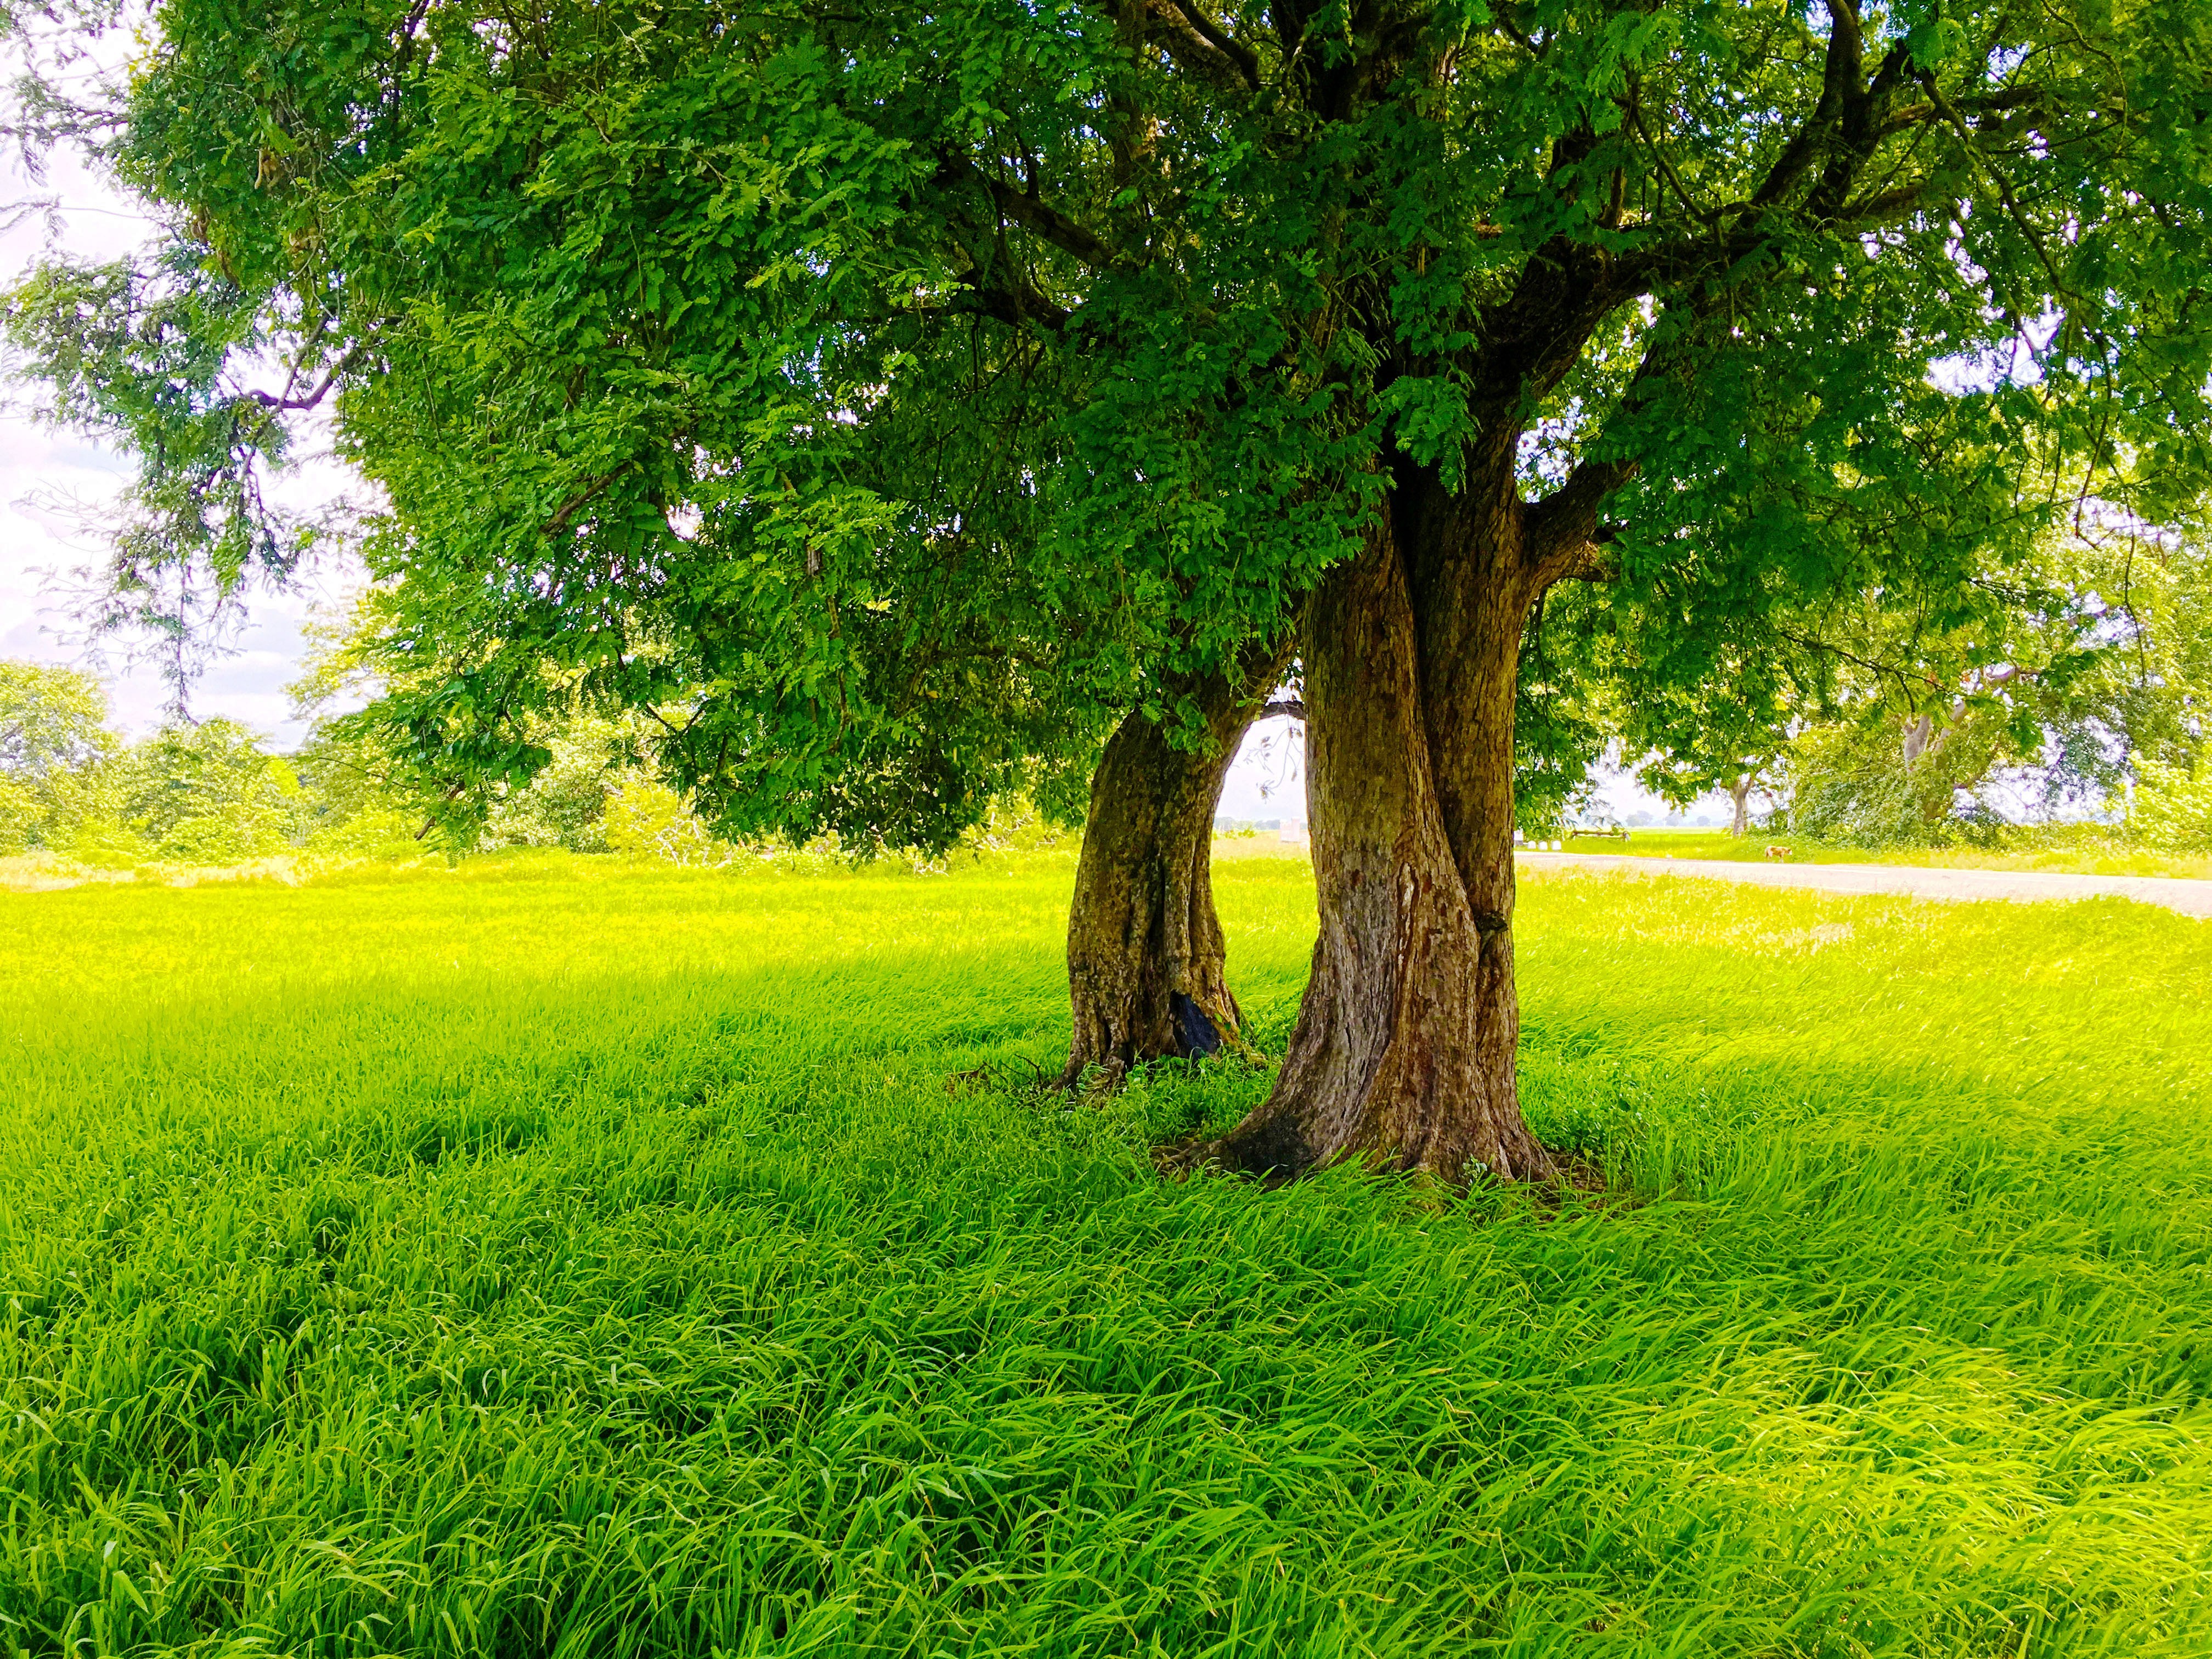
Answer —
2083 849
552 1257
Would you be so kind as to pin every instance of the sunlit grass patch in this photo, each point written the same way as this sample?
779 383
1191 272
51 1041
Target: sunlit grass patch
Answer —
553 1257
2083 850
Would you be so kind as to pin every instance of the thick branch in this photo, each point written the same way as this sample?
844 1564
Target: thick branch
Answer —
1563 526
1182 30
1840 79
1860 131
1013 303
1065 233
578 500
1016 305
1590 562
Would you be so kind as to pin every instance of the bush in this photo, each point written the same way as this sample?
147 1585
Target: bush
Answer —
2172 809
565 804
22 816
232 838
105 844
1853 787
646 819
373 833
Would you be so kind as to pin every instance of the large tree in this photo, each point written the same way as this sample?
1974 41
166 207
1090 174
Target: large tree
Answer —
1375 318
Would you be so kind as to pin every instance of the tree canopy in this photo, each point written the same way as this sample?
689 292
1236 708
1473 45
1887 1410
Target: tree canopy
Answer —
618 297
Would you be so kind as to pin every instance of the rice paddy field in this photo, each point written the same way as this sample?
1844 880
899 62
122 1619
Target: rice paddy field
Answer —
558 1258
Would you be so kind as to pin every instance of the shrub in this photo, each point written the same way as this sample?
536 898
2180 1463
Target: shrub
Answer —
646 819
22 815
385 832
105 844
2172 809
232 837
565 804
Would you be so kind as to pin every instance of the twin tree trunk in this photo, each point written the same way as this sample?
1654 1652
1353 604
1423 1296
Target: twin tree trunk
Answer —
1403 1055
1147 961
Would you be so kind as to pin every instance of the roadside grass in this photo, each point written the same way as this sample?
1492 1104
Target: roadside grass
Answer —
552 1257
2074 849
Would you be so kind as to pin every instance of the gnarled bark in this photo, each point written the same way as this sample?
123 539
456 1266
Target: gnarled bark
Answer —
1147 961
1403 1055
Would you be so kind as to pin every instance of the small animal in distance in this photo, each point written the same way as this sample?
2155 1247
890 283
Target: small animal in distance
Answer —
1780 854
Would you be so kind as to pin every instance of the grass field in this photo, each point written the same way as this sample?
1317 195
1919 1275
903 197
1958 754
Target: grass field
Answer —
553 1258
2080 854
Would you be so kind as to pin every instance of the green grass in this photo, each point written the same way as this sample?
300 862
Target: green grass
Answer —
2081 850
548 1258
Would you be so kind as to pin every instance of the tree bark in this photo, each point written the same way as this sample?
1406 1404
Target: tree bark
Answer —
1740 792
1403 1055
1918 731
1146 960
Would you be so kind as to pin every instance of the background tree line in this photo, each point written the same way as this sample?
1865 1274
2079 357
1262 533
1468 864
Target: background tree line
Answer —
1853 727
1860 723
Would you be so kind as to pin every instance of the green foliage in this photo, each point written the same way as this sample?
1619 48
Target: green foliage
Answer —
52 720
560 1255
564 803
888 398
207 787
147 360
209 794
1879 723
1855 788
648 820
52 731
2171 809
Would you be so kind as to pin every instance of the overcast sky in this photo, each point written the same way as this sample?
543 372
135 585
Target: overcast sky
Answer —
41 471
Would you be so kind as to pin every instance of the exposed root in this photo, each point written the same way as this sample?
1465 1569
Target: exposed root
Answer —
1572 1175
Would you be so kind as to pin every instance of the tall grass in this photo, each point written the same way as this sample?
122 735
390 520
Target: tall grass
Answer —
535 1260
2087 849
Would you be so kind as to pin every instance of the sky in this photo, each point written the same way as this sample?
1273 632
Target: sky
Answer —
45 472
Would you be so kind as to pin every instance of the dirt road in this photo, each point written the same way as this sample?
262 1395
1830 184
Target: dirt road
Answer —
2190 898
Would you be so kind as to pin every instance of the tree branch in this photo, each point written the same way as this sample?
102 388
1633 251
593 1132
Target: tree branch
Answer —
1841 91
578 500
1562 528
1065 233
1590 562
1185 33
1015 305
267 401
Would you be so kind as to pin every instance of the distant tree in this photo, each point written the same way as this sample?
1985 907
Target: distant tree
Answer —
52 730
1063 358
52 720
2046 707
210 793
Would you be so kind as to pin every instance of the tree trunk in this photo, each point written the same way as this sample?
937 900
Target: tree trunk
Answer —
1740 792
1918 731
1147 961
1403 1055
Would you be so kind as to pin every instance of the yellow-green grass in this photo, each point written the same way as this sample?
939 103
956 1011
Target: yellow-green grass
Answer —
548 1257
2088 855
